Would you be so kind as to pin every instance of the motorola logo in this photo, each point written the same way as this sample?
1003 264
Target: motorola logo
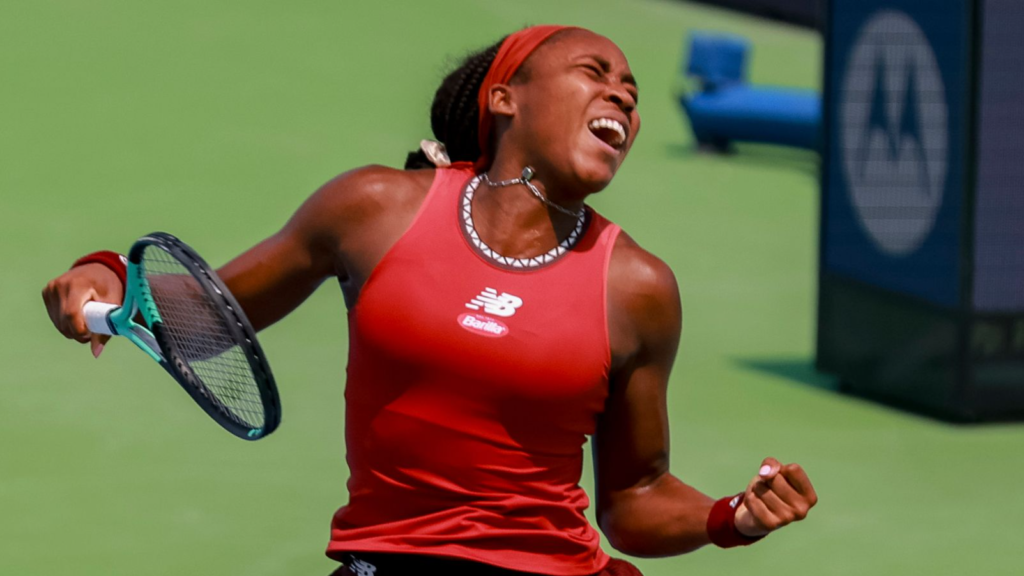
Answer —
893 130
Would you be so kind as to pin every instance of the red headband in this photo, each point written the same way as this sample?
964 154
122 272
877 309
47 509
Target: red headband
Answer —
513 52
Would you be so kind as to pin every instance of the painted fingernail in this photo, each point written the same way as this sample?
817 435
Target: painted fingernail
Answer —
96 349
765 470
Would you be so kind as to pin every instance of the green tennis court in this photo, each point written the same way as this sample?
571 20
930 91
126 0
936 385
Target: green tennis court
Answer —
214 120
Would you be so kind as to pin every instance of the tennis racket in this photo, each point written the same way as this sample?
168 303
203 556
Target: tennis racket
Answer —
196 331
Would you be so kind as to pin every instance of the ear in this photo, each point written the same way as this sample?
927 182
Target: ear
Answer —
500 100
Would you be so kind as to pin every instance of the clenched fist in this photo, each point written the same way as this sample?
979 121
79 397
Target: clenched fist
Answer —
66 294
778 495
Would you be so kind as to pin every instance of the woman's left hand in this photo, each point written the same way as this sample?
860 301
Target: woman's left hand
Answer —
778 495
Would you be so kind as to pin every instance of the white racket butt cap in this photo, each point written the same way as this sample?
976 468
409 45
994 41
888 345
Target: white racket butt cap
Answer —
96 314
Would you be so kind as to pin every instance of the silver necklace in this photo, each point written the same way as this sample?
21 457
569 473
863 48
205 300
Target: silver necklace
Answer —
549 256
525 178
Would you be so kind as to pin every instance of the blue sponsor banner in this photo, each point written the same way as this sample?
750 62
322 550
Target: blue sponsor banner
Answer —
999 195
897 127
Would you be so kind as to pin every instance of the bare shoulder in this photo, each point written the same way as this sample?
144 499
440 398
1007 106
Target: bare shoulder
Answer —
638 279
362 199
643 300
370 190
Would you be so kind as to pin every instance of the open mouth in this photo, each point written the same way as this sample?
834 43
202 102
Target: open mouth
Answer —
609 131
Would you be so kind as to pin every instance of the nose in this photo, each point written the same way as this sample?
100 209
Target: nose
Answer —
621 97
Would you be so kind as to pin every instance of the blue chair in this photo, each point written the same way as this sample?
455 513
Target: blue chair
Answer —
727 109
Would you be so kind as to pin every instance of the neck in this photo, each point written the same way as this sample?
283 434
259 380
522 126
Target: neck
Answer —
545 180
513 221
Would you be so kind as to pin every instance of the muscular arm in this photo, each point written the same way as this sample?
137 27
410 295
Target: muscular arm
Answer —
342 230
643 509
275 276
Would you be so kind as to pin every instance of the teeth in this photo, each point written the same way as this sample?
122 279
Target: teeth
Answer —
611 125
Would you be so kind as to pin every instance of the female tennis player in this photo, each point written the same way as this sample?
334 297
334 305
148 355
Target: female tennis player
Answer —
495 321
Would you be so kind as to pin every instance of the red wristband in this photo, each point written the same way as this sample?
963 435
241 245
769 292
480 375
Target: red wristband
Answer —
722 524
117 263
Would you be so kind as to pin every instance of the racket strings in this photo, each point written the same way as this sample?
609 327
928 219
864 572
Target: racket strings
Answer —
203 339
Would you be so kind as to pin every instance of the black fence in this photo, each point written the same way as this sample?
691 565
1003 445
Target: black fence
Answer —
808 13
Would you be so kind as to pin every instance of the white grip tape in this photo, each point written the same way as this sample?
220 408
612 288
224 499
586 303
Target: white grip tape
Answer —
96 316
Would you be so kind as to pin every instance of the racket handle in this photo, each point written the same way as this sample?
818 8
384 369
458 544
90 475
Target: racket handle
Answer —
96 315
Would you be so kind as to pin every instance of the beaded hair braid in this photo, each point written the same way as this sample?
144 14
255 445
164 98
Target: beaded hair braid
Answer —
455 113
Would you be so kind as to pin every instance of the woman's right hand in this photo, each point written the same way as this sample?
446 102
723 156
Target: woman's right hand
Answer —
67 294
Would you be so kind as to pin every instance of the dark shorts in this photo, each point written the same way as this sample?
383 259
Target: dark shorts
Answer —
412 565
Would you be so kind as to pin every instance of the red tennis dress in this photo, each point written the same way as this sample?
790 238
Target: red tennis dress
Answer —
471 388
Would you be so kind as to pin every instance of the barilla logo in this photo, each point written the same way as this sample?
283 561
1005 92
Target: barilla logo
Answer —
483 325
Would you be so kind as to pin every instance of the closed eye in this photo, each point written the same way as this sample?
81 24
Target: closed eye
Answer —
631 86
599 68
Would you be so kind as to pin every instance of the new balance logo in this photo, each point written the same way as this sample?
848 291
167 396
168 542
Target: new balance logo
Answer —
503 304
362 568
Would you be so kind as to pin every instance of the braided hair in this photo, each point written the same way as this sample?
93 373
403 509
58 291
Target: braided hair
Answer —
455 113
